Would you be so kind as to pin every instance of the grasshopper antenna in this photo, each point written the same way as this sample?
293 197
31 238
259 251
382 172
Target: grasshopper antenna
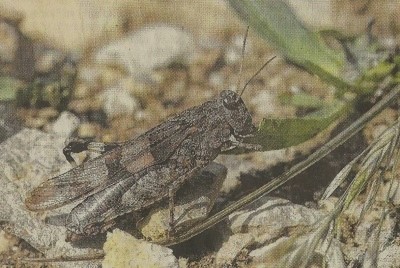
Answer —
254 75
242 57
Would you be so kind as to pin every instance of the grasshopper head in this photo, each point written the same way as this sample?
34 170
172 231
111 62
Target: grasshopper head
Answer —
236 114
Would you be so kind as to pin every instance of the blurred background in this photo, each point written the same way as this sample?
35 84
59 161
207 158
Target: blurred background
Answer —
103 60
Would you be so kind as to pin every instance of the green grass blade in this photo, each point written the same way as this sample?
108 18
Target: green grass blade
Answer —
275 22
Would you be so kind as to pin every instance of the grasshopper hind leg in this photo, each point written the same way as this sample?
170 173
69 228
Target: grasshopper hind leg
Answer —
172 189
171 205
78 146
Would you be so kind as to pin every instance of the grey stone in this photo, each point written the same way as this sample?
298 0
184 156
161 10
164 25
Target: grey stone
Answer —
232 247
233 53
268 217
389 256
27 159
146 49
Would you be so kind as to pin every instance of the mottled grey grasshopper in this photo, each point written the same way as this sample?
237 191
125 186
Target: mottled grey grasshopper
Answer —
133 175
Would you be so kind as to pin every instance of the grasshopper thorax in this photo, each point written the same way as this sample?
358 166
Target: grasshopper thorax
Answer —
236 114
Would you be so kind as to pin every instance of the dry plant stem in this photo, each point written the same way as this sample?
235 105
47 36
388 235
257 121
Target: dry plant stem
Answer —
295 170
98 256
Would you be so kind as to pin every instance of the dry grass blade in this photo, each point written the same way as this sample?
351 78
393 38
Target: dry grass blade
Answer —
339 179
306 245
342 175
392 139
373 190
299 251
372 252
380 154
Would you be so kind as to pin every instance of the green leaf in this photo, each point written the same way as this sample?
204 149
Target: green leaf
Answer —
371 78
8 88
302 100
278 133
276 23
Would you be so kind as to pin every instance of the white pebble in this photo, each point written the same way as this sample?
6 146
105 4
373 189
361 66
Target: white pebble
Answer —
149 48
117 101
65 124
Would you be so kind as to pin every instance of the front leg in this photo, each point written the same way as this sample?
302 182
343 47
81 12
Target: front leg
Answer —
229 141
247 146
235 144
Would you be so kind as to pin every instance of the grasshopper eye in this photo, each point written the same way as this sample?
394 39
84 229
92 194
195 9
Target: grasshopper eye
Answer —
230 100
230 104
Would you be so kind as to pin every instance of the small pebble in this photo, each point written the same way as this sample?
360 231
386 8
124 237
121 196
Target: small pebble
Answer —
48 60
216 80
47 113
8 42
88 130
82 90
5 242
264 103
151 47
117 101
378 130
35 122
65 124
233 53
89 75
85 105
110 76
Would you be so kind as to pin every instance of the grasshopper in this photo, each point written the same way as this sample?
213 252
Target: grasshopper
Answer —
133 175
